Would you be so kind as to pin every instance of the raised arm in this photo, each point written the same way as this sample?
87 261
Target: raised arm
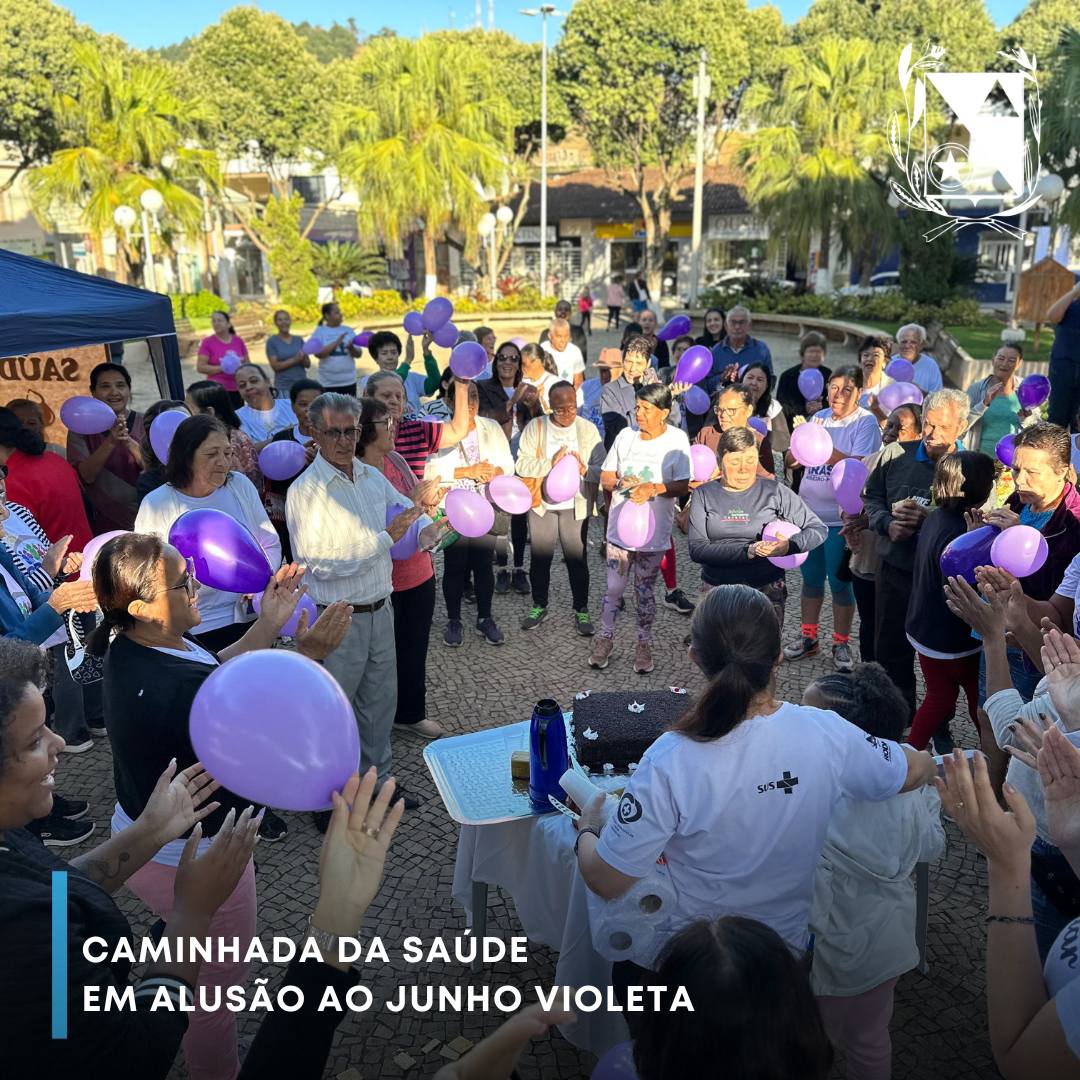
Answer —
1056 311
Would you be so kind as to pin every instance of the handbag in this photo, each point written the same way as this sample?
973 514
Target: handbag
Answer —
85 668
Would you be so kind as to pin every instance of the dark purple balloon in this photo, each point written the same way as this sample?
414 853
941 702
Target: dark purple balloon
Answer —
226 555
446 336
694 365
1006 447
967 552
758 424
1033 391
676 326
414 323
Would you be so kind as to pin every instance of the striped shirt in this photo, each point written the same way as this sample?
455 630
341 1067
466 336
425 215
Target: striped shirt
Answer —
416 441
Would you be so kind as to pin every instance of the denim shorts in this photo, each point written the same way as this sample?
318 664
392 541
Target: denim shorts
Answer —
1024 677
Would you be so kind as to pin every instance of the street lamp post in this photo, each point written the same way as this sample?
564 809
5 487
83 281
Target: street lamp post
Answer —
486 228
151 202
701 90
124 217
544 10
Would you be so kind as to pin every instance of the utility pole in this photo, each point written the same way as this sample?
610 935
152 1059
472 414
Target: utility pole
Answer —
491 14
479 14
702 86
543 147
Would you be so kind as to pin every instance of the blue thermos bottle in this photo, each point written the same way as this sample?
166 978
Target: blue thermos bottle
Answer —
548 755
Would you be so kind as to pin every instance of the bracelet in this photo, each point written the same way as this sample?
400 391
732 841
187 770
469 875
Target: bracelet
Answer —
1024 920
588 830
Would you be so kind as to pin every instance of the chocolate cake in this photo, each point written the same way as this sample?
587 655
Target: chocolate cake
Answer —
617 728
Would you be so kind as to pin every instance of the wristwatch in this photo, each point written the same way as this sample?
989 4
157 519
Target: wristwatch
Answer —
588 830
327 942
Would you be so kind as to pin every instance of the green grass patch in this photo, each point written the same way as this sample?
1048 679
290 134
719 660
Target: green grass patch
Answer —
981 342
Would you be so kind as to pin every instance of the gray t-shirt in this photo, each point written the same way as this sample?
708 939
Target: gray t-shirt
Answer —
278 349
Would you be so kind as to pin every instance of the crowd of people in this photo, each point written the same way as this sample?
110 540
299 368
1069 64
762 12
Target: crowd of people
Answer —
789 830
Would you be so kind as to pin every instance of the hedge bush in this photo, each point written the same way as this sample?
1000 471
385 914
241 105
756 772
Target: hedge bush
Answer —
199 305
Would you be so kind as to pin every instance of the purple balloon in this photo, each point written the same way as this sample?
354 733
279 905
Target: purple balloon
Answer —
848 478
693 365
414 323
1006 447
696 401
292 623
811 383
1033 391
162 429
91 549
409 543
900 370
811 444
518 341
676 326
968 551
230 363
635 524
702 463
616 1064
86 415
777 530
311 347
363 339
509 493
437 313
282 460
446 336
564 480
468 360
226 555
757 423
469 512
1021 550
275 727
899 393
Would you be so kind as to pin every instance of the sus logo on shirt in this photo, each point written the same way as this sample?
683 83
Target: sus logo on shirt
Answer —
787 784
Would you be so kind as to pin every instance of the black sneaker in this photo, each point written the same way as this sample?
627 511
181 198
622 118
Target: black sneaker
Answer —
469 595
454 634
535 617
411 801
583 624
805 646
79 743
321 819
272 828
677 601
58 832
521 583
943 741
69 809
486 628
502 582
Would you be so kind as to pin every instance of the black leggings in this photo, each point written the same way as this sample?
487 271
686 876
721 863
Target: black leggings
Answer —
613 315
464 555
519 534
414 610
864 601
571 535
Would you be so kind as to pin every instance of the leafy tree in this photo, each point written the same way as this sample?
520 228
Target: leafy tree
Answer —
627 72
338 264
1039 27
176 53
930 273
126 128
37 41
334 42
430 132
288 252
965 29
1061 124
817 157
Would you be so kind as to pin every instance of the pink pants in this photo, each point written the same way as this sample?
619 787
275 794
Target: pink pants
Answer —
210 1042
859 1026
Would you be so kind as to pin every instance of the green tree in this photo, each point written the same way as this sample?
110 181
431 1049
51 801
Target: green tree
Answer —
1061 124
1039 27
126 128
965 29
288 252
817 158
334 42
176 53
627 72
37 42
337 264
431 132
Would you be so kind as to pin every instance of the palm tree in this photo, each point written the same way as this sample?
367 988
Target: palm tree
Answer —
1061 122
128 129
432 134
338 264
816 166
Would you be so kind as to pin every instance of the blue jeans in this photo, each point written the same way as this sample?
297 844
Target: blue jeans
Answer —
1049 922
1025 681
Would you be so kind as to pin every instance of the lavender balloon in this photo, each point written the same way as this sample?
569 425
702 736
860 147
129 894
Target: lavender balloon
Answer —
409 543
696 401
1006 447
311 347
693 365
282 460
616 1064
162 429
469 512
784 530
702 463
274 727
1021 550
968 551
230 363
509 493
518 341
757 423
86 415
900 393
437 313
900 370
363 339
811 444
90 552
811 383
414 323
848 478
468 360
676 326
226 555
635 524
446 336
1033 391
292 623
564 480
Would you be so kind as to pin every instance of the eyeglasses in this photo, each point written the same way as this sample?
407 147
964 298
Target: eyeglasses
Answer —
339 435
506 359
565 410
731 412
387 423
187 582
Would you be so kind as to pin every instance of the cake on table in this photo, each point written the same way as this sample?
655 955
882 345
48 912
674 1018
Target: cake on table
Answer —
617 728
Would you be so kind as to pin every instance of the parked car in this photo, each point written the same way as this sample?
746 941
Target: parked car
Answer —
884 282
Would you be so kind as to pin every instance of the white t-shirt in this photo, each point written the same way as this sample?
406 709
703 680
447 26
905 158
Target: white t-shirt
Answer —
742 820
1070 587
873 391
662 460
928 374
260 425
558 437
570 363
543 385
414 390
339 368
857 435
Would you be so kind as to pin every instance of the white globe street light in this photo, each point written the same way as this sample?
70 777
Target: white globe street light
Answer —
124 217
486 225
504 215
1050 188
151 200
1001 185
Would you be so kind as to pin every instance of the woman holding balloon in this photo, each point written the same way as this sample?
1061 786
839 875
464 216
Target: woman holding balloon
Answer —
996 409
844 431
221 354
199 476
735 520
335 347
733 406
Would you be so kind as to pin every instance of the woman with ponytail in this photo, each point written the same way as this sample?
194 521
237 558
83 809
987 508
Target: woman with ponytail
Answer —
737 798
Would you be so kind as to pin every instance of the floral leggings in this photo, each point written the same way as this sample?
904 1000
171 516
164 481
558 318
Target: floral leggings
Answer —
645 566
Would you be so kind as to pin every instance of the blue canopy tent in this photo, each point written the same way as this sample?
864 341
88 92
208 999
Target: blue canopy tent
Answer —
45 308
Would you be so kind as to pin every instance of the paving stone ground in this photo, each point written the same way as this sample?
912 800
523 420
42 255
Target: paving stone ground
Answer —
939 1025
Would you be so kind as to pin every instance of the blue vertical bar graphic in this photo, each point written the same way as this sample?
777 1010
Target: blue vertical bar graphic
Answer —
59 954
